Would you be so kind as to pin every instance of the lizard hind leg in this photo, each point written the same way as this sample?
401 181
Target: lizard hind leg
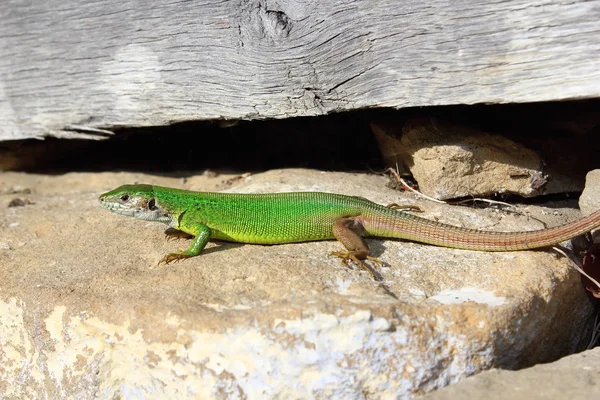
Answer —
349 232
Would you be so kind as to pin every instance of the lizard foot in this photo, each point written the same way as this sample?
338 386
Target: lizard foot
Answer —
173 257
177 234
349 257
407 207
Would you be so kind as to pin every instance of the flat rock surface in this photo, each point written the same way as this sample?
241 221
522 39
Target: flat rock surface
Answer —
574 377
86 313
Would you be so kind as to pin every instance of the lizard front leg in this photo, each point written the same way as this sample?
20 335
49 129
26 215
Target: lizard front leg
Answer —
202 235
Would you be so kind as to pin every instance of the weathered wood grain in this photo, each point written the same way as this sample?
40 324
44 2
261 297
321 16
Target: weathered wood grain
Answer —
71 67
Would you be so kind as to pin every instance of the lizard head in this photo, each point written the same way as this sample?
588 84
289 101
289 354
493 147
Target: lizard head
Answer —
135 201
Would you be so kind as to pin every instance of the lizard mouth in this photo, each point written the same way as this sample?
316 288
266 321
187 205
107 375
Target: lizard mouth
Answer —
118 208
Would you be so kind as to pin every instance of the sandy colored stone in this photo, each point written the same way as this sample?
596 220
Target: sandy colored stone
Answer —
574 378
86 313
589 201
452 161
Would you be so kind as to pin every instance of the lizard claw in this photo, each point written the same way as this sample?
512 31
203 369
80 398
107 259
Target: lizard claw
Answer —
173 257
344 256
349 257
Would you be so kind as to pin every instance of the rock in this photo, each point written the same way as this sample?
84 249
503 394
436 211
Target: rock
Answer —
451 161
574 378
589 201
86 313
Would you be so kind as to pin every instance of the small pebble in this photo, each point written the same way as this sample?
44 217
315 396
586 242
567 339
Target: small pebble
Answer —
17 202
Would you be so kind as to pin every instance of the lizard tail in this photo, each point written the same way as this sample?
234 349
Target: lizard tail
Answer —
413 228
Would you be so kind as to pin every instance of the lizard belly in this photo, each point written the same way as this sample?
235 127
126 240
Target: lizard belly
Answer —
272 234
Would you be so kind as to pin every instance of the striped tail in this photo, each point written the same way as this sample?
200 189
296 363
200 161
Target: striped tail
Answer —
406 226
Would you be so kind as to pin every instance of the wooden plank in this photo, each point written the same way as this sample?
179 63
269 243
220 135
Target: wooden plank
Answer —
68 67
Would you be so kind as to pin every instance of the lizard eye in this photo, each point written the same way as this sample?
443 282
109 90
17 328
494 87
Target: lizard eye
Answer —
152 205
124 197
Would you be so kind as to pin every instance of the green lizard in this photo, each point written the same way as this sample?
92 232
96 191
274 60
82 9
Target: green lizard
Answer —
308 216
